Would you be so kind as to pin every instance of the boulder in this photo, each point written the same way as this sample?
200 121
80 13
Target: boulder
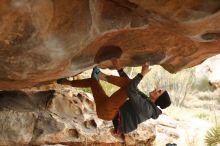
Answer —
44 40
210 70
61 116
67 116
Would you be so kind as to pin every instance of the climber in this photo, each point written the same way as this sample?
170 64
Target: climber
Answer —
128 106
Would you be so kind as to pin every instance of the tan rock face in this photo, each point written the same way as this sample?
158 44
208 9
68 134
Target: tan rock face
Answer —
67 116
210 69
34 117
45 40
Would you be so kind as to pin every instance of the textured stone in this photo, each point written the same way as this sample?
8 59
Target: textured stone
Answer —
66 116
45 40
210 69
24 117
35 117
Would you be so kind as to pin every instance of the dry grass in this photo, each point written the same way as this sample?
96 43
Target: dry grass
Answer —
193 124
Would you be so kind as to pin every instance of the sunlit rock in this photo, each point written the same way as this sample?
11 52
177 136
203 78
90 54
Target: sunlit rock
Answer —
210 69
34 117
67 116
45 40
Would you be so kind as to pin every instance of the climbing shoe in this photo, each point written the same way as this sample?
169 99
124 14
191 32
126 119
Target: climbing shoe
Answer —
95 73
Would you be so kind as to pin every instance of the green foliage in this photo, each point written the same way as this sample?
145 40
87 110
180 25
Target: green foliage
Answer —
202 84
108 88
213 136
88 90
202 116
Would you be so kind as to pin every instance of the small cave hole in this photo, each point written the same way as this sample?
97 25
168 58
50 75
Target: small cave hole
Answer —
211 36
107 52
73 133
90 124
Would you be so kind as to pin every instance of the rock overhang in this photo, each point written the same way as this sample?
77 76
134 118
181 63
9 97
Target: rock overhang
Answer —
44 40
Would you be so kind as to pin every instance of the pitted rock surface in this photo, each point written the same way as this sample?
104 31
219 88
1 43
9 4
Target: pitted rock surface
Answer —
44 40
67 116
64 116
